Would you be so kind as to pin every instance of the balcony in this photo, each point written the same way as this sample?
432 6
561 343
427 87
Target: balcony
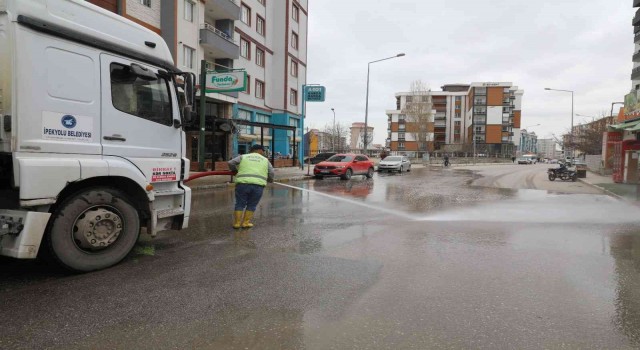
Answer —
635 73
218 43
636 3
636 19
479 120
636 57
223 9
439 124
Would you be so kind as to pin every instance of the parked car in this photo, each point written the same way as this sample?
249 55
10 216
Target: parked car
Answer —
319 157
523 160
344 166
395 163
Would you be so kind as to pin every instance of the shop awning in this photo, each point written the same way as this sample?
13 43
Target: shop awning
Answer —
633 125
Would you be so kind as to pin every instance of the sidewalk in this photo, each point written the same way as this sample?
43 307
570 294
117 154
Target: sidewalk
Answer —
216 181
628 192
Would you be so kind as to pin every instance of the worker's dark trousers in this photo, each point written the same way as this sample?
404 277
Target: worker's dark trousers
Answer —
248 196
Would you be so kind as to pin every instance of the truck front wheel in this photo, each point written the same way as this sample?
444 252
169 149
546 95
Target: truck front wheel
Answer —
93 230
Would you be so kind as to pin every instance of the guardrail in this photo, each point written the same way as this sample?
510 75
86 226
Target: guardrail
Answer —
219 33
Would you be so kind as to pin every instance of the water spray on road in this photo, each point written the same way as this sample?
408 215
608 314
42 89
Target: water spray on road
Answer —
350 201
531 206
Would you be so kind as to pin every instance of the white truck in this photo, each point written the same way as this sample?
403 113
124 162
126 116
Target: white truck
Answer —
91 140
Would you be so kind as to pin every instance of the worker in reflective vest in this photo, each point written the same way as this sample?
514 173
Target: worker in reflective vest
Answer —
253 173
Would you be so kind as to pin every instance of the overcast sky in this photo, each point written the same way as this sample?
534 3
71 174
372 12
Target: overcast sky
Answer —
579 45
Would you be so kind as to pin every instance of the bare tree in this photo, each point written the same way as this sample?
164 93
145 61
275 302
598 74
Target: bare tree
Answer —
587 138
418 113
368 141
335 139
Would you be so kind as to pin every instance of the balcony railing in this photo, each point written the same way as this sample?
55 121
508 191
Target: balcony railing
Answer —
636 57
636 18
220 33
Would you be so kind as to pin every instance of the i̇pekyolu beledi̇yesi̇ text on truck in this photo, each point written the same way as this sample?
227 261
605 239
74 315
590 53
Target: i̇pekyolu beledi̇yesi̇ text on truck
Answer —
92 144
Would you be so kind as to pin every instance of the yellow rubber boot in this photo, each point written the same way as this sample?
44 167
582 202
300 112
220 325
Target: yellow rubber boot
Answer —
237 218
248 215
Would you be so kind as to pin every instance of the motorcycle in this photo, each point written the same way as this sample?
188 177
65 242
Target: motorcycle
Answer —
562 173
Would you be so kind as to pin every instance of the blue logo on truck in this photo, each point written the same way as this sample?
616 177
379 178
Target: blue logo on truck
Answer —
69 121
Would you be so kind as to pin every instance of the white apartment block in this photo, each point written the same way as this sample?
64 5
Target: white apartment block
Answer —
266 38
547 148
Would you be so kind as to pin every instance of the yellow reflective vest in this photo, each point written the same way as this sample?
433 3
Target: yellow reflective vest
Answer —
253 169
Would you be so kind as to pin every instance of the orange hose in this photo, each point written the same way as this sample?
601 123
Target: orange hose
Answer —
209 173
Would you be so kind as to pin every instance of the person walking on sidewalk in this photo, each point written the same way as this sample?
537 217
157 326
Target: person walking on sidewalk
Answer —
253 171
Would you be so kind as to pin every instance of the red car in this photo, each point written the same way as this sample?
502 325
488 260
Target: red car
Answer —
344 165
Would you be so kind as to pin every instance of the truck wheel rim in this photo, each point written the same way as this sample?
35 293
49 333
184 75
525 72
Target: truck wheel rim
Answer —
97 228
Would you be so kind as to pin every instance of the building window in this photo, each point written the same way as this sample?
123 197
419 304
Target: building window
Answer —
294 68
295 13
457 115
245 15
247 89
244 115
260 27
294 40
401 136
146 3
259 57
263 118
401 127
245 49
259 89
400 145
188 10
409 99
187 56
293 97
457 124
401 117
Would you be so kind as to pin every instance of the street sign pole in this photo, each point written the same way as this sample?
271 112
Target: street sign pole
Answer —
203 107
302 145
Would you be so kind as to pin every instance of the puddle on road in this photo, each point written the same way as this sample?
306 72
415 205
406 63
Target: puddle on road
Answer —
528 206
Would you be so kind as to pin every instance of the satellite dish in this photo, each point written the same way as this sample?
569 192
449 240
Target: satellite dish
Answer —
225 127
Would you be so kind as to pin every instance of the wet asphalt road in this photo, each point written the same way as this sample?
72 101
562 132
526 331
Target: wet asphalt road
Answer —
428 259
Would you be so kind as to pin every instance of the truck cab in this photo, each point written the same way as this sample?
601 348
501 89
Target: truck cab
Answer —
92 148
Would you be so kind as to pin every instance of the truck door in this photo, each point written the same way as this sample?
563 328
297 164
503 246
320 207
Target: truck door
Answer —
138 118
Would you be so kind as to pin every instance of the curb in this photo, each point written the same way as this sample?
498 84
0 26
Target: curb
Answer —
605 191
230 184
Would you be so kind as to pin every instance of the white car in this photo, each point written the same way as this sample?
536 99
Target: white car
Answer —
395 163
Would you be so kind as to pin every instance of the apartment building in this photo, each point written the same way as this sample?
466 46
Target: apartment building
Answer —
273 51
489 112
548 148
357 136
528 143
266 39
494 116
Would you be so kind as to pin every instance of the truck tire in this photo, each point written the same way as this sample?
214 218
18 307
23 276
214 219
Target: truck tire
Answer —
93 230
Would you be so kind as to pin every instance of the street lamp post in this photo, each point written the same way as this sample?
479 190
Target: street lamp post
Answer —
571 134
333 132
366 110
